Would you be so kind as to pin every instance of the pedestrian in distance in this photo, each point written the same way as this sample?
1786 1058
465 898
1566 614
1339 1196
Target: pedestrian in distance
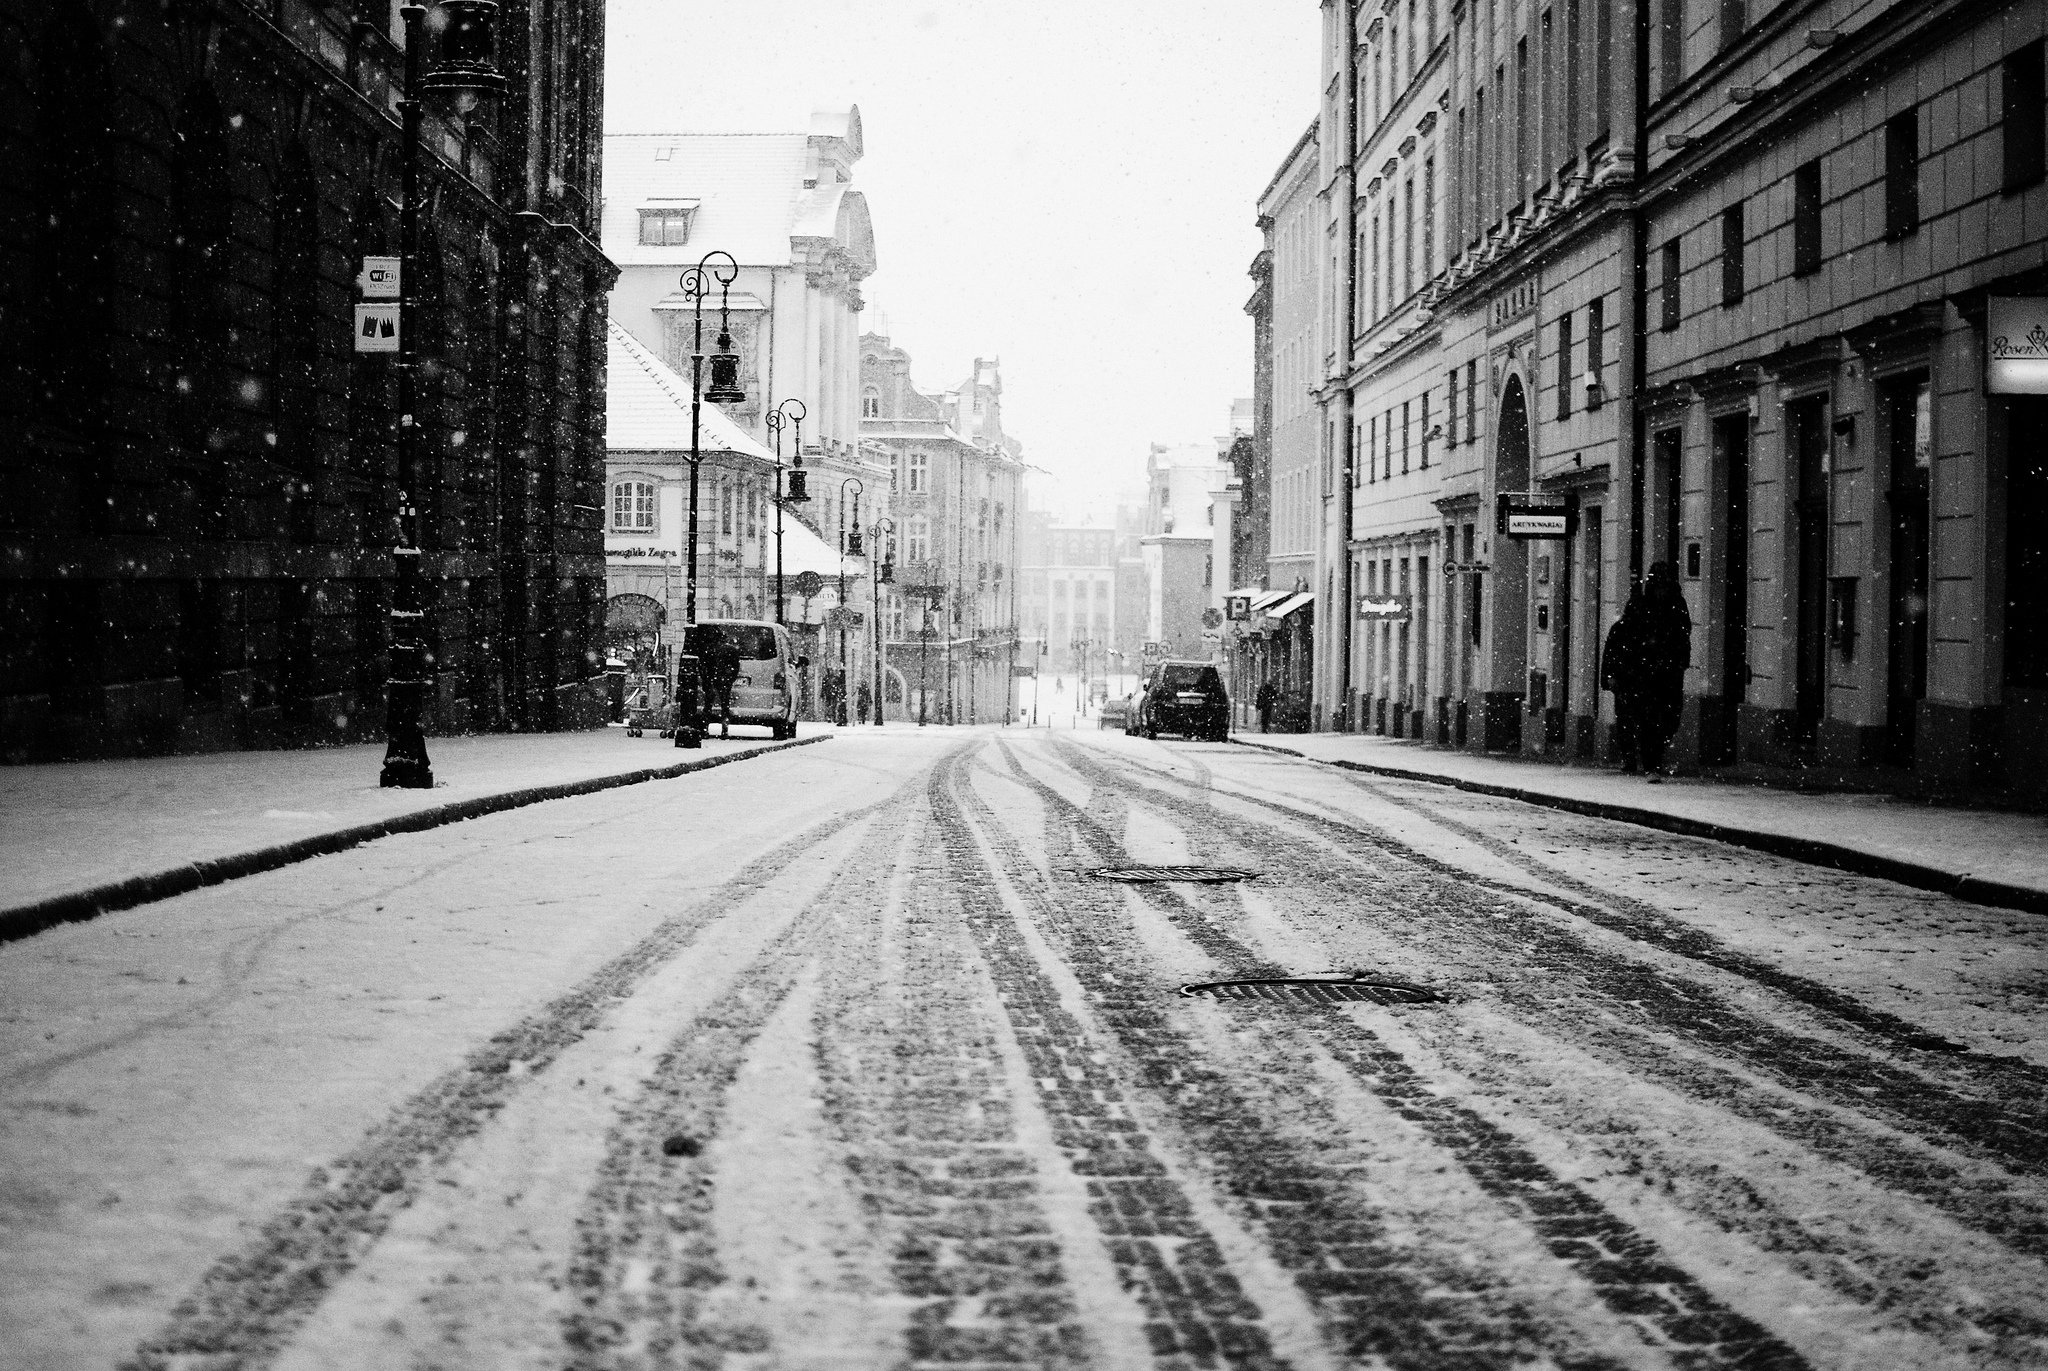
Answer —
1644 664
865 698
721 672
1265 697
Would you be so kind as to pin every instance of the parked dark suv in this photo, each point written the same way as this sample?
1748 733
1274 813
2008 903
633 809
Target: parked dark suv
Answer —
1185 698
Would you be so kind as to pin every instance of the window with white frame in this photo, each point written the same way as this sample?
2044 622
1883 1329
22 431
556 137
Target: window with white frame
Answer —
917 539
633 506
920 473
666 223
871 403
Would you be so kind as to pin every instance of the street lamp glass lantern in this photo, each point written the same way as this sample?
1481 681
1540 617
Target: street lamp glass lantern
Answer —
799 494
468 57
725 374
854 546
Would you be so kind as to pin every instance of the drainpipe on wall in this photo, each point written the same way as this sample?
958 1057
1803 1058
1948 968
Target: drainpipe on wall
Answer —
1338 629
1639 303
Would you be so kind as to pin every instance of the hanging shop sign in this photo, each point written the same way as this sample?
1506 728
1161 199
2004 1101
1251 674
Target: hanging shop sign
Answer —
1536 516
1386 609
2016 345
1237 607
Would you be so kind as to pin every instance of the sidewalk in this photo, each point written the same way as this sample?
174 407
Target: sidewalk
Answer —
1986 856
79 838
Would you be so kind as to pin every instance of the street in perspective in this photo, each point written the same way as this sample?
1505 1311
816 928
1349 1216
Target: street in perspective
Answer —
847 685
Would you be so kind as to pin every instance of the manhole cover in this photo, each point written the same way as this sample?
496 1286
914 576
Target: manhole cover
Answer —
1141 875
1316 990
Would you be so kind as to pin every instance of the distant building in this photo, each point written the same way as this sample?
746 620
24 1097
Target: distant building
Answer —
785 207
1287 310
1074 598
1178 548
198 476
647 473
956 484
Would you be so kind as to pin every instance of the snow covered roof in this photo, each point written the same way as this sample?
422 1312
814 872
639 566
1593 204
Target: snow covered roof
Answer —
803 550
647 406
746 191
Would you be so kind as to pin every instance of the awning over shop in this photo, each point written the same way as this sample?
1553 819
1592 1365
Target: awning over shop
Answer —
1268 597
1289 605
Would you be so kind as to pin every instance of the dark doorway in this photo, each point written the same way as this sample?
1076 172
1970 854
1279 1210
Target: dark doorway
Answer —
1807 443
1731 456
1907 409
1666 448
2026 543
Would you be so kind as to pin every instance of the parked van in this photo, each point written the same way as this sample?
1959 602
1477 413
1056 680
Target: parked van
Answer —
763 671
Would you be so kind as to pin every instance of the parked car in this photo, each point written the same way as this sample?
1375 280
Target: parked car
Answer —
1187 698
1115 714
762 669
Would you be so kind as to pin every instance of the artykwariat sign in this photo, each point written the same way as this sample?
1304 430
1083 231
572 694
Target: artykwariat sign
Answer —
2016 345
1386 608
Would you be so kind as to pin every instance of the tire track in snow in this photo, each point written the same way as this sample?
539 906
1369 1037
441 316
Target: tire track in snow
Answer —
1924 1109
1638 1284
1977 1195
978 1239
1196 1310
2009 1077
247 1305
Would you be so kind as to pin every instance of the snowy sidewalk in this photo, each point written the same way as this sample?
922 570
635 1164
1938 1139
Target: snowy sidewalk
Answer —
1988 856
79 837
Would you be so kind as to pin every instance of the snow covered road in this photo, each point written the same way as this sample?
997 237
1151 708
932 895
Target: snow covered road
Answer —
845 1059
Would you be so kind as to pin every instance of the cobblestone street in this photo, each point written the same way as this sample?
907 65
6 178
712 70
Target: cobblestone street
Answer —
847 1057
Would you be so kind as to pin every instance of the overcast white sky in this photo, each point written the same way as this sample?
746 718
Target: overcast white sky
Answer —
1068 185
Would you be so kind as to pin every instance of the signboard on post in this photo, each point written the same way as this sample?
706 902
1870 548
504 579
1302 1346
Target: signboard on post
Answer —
377 328
1533 516
1385 609
2016 345
379 278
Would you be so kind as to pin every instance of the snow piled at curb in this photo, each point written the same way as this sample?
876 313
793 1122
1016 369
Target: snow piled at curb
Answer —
24 920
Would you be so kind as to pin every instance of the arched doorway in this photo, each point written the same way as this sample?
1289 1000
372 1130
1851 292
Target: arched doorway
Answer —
1506 647
632 630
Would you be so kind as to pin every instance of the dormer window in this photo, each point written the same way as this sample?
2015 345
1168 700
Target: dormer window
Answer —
871 404
666 223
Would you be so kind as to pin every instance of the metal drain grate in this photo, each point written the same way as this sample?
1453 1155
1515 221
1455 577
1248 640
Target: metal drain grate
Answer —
1146 875
1316 990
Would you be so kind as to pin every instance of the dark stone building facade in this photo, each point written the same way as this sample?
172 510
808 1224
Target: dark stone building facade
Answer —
198 475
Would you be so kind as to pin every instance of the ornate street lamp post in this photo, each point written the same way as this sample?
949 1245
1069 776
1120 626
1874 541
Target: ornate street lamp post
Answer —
931 591
468 72
886 576
725 380
783 414
849 546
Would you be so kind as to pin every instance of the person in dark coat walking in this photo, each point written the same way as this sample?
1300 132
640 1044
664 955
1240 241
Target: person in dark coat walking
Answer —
1266 697
1619 673
1648 651
721 673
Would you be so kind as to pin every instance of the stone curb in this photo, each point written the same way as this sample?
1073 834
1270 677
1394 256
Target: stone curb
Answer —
24 920
1814 851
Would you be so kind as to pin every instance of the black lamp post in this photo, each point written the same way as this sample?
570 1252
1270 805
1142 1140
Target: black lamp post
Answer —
467 72
725 379
931 591
797 495
849 546
886 576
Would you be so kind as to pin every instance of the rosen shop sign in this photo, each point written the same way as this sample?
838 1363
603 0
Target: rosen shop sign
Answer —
2016 346
1385 608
